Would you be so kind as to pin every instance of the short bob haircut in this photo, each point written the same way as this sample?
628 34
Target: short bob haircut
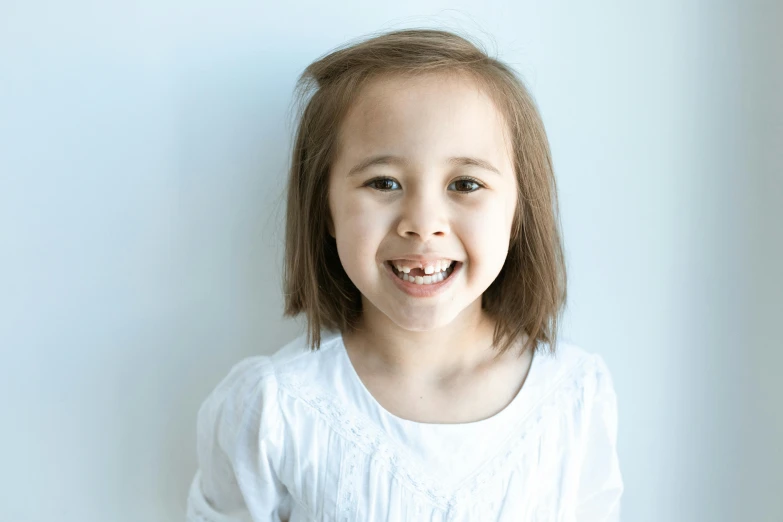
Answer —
527 296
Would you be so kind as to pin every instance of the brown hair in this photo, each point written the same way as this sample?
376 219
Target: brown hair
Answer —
528 294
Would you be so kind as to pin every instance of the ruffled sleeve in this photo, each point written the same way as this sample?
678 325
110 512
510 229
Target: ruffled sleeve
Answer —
239 444
601 483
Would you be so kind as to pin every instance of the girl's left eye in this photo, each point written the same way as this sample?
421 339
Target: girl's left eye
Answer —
387 183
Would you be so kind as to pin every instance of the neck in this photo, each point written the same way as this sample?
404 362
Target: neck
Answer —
435 355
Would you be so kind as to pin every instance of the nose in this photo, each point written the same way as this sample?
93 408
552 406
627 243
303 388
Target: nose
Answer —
424 214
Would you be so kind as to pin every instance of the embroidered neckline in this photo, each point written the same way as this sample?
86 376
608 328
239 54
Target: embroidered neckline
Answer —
356 427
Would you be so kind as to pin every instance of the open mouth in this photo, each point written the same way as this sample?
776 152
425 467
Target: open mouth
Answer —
417 276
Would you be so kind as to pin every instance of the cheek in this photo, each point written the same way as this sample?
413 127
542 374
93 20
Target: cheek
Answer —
360 230
487 237
359 221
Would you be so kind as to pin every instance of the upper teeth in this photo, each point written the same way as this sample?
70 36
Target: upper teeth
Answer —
438 266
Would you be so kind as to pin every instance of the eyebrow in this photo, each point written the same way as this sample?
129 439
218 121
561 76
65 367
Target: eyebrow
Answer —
396 160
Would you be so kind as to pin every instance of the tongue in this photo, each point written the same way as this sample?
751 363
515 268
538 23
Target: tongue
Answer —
417 272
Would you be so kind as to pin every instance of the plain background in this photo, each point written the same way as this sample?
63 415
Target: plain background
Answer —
143 155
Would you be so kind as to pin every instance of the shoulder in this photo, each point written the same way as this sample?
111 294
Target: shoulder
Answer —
574 390
252 385
576 370
293 357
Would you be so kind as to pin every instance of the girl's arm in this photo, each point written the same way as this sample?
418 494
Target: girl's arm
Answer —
236 445
601 483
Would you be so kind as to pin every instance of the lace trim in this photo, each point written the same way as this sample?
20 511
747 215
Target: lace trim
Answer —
370 439
347 502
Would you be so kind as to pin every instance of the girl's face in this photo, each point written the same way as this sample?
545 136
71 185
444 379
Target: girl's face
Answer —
422 201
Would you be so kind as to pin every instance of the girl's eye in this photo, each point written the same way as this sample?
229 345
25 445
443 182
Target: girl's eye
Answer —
386 184
382 184
468 182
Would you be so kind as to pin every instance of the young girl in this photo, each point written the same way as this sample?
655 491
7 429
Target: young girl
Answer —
422 244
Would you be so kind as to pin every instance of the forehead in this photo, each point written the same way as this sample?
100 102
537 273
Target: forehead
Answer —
425 115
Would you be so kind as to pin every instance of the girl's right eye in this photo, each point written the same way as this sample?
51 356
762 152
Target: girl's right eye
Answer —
382 184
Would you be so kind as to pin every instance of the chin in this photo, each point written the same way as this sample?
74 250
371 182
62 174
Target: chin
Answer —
421 322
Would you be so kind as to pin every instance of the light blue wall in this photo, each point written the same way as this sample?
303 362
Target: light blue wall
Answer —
143 154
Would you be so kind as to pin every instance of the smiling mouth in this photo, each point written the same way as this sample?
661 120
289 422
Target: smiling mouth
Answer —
418 277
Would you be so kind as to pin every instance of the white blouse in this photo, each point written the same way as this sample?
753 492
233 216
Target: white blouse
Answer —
295 436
